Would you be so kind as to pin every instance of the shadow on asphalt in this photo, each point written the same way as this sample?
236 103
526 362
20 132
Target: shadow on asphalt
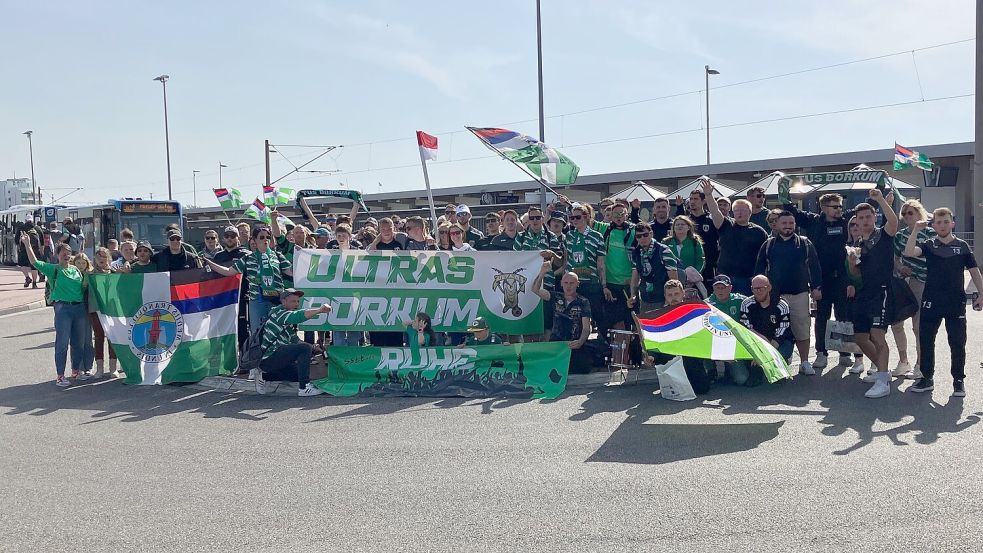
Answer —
34 333
838 401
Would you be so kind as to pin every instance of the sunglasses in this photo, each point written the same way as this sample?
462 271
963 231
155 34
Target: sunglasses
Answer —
456 232
834 206
757 195
211 238
263 237
535 217
576 217
174 239
643 234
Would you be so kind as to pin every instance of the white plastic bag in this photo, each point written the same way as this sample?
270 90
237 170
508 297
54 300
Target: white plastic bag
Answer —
673 383
839 337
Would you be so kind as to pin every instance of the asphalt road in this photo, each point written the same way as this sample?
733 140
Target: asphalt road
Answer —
808 465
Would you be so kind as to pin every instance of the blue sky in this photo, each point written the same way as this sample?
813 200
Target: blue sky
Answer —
368 74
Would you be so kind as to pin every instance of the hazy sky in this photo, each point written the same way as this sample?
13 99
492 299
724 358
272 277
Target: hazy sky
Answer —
368 74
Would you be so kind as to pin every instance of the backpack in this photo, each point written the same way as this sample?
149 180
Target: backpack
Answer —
251 352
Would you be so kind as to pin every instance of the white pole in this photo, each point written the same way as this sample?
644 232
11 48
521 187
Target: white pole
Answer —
426 179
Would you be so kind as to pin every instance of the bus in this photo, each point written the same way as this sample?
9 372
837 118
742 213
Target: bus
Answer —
148 220
10 223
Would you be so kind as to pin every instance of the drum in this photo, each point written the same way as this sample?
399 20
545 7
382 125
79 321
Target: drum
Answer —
620 360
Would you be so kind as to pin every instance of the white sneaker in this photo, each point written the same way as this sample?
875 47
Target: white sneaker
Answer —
846 361
858 365
901 370
256 375
100 371
915 374
821 361
806 368
881 387
310 390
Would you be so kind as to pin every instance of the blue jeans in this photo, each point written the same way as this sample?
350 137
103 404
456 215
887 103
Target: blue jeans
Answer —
259 308
345 337
71 322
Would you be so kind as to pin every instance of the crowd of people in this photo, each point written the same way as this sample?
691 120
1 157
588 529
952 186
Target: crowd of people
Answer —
775 270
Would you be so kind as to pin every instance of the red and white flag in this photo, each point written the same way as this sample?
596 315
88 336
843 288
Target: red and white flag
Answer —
428 145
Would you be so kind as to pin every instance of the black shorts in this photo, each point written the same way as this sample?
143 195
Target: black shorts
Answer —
872 311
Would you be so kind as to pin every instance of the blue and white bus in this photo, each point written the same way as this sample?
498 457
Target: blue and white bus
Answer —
148 220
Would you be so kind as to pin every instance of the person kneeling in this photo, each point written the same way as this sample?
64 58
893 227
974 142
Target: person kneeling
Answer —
696 371
285 357
571 317
771 320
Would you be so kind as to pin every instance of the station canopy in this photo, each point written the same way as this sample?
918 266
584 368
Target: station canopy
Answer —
638 191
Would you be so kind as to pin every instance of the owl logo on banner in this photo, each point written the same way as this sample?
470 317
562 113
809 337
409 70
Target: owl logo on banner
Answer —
511 285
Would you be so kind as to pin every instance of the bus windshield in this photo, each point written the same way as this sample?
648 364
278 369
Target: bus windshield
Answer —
147 227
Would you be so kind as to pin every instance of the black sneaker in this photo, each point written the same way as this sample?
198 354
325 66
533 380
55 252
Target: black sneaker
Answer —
923 385
27 282
958 388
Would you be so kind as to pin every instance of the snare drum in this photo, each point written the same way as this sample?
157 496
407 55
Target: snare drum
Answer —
620 358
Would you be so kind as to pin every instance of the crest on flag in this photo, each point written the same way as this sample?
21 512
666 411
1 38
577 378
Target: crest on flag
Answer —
155 331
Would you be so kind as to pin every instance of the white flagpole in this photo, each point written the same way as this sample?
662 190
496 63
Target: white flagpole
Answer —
426 179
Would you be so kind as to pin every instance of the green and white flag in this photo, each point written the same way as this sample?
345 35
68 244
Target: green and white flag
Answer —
176 326
258 210
274 196
229 198
906 157
546 163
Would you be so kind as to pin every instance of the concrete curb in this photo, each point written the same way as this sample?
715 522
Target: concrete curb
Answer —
22 308
289 389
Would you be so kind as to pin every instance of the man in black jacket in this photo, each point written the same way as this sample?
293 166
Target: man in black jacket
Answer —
829 233
792 266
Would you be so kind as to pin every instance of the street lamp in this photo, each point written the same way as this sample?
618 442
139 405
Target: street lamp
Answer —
194 185
34 184
167 138
220 166
708 72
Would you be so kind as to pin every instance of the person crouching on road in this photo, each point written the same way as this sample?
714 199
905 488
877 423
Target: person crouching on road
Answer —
285 357
696 373
68 297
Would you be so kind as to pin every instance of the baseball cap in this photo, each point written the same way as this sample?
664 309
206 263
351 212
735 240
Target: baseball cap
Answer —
463 209
174 232
230 230
372 220
290 292
721 279
321 231
558 215
492 215
144 244
478 324
330 218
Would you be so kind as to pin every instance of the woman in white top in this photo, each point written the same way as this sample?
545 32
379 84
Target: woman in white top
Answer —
457 239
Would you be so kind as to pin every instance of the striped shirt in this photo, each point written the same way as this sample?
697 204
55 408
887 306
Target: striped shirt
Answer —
275 264
280 329
584 248
527 241
919 269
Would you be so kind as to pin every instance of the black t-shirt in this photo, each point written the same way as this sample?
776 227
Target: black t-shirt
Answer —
333 245
398 243
412 244
946 264
739 246
876 262
166 261
472 235
567 316
660 230
502 242
710 236
761 219
227 257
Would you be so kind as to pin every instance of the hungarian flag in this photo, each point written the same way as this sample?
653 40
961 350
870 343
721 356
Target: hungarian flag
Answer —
428 145
905 157
169 327
258 210
537 158
696 329
229 198
276 196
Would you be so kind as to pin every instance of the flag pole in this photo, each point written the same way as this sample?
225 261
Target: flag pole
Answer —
542 117
543 186
426 179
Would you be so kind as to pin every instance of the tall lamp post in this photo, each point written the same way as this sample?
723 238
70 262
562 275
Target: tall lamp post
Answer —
220 166
167 138
194 185
34 184
542 117
708 72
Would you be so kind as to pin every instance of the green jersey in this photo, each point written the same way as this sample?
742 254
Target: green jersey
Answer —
583 249
489 340
731 307
528 241
280 329
617 260
917 265
263 272
66 283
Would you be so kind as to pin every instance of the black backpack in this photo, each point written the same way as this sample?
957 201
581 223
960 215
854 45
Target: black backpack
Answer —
251 353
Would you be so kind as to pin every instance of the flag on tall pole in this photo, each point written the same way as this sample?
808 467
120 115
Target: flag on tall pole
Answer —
906 157
545 164
428 150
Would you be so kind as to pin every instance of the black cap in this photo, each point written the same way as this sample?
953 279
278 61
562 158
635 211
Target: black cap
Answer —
722 279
